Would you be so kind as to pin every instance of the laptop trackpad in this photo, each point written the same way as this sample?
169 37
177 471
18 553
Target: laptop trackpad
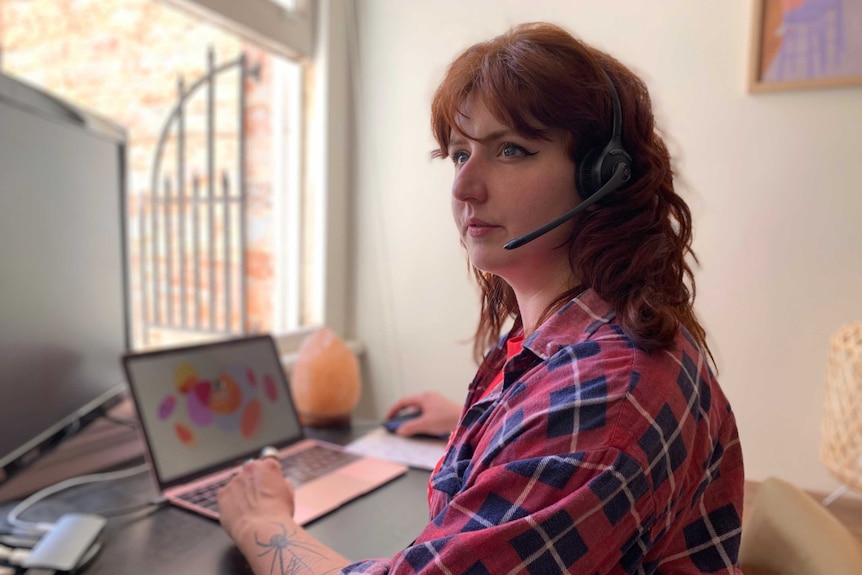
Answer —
327 493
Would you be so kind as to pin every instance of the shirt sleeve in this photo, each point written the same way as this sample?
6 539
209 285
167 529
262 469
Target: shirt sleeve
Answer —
589 511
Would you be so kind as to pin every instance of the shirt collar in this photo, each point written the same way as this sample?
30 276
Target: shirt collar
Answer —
575 322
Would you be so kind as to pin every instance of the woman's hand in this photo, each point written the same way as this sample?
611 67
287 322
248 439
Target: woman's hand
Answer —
256 509
258 495
438 415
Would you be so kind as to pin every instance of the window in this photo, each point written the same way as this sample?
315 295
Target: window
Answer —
293 155
316 33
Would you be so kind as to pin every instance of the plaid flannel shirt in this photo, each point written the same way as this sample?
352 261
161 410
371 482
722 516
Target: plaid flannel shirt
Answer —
592 456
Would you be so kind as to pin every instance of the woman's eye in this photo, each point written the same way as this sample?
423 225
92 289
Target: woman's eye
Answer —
459 157
514 150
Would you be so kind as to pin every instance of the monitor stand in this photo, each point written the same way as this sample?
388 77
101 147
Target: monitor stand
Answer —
104 444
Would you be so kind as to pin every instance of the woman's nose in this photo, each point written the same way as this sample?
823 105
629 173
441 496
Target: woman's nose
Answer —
470 183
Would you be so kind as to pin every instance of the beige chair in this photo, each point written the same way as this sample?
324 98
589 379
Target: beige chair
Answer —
788 532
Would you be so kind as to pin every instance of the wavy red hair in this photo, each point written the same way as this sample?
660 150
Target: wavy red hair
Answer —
633 250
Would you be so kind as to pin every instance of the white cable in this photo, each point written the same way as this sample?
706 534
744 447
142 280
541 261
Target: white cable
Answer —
26 540
42 527
17 557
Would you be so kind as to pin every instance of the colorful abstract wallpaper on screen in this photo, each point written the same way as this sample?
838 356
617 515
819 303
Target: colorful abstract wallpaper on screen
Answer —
231 402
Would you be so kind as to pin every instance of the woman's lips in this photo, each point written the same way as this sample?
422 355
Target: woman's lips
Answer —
478 228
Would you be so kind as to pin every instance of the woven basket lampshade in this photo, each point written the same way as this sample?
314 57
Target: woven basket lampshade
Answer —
841 423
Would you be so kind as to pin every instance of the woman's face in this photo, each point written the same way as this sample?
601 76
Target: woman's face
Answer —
507 185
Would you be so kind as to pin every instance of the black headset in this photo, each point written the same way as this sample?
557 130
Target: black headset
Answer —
598 166
600 172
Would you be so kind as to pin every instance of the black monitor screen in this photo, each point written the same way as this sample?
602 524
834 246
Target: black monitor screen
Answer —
63 318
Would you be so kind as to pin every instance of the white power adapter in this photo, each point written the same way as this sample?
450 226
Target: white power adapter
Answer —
69 544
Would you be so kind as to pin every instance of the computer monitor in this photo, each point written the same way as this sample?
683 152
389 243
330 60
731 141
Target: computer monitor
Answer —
63 278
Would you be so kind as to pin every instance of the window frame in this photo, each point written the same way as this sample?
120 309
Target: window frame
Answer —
286 32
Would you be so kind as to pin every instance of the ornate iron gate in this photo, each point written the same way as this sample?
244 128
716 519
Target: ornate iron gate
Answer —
179 221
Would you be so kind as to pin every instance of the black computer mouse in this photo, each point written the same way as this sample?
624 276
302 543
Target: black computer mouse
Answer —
393 423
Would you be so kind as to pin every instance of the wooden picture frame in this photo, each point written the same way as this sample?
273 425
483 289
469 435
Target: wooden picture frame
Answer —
799 44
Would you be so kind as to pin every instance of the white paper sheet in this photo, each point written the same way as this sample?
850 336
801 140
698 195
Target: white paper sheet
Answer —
416 452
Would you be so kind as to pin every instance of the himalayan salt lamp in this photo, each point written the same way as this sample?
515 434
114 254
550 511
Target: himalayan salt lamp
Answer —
325 384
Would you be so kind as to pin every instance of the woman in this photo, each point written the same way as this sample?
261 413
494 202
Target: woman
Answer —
594 438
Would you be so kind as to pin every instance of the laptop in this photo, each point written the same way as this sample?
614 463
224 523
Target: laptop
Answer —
206 409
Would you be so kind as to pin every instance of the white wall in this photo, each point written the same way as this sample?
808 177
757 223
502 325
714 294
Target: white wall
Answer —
769 178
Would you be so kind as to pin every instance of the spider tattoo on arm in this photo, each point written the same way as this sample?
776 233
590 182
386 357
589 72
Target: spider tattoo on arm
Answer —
286 553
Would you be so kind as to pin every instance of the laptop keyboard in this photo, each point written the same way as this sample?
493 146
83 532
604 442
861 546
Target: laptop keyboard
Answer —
314 462
298 467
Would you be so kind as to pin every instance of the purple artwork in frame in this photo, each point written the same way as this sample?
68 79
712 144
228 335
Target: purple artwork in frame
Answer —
806 44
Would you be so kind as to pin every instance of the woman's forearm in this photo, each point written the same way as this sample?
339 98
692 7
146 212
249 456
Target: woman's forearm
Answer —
284 548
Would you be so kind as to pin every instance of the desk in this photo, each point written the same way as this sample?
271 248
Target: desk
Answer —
171 540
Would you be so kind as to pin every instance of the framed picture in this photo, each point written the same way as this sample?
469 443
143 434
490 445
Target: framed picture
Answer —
805 44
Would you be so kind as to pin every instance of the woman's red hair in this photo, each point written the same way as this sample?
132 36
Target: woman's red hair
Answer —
633 250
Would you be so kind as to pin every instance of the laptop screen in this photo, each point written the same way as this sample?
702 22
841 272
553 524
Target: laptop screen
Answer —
206 405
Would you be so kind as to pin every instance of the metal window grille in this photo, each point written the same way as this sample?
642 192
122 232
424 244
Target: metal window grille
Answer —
192 224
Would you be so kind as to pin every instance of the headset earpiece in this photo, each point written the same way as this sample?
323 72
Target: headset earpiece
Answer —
598 166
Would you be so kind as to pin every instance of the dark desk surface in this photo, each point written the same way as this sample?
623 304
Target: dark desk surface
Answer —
170 540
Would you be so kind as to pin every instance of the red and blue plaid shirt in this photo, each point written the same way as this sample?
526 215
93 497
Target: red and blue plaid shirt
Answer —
592 456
